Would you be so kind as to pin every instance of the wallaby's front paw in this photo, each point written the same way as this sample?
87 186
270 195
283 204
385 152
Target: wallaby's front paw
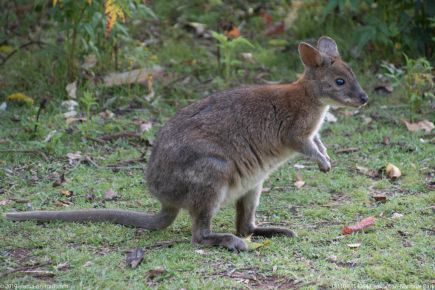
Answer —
325 166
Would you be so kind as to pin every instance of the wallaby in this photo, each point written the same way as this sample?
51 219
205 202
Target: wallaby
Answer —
222 148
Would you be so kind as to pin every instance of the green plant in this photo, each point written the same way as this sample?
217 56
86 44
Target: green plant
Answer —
88 100
92 26
382 28
228 49
415 80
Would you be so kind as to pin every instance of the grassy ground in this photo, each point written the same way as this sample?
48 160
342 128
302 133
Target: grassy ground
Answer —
397 250
394 251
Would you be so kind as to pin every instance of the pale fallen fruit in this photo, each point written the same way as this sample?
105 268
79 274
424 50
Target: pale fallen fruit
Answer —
393 171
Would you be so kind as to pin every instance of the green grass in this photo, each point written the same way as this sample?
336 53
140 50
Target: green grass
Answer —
393 252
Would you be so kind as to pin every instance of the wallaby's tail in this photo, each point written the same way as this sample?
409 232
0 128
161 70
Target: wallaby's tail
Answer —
123 217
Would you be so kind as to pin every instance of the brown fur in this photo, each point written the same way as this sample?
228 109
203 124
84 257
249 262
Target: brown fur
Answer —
220 149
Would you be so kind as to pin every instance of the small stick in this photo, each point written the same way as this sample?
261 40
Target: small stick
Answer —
41 106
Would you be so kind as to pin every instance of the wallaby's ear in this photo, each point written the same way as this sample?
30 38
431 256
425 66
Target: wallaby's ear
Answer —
310 56
328 46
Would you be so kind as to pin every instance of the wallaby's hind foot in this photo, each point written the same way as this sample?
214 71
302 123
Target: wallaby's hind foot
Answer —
245 220
202 234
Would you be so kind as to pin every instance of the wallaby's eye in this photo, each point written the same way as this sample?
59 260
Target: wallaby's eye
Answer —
339 82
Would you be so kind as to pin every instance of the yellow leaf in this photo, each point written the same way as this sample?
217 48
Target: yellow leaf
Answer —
20 98
54 3
112 11
252 246
6 48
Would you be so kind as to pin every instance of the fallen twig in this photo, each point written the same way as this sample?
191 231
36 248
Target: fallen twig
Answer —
21 47
165 244
347 150
127 134
123 163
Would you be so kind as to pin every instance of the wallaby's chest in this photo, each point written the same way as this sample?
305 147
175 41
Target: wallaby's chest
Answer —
256 178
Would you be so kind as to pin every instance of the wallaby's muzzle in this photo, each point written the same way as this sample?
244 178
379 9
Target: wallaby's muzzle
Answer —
363 98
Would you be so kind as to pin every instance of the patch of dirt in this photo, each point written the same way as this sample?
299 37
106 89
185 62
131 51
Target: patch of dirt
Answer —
252 278
19 255
340 197
27 265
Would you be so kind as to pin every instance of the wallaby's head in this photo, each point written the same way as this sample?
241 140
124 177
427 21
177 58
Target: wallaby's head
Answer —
334 83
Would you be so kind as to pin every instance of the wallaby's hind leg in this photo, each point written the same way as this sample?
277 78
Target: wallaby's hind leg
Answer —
202 234
245 221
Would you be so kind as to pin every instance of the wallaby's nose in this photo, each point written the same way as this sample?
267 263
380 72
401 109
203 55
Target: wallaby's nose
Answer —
363 97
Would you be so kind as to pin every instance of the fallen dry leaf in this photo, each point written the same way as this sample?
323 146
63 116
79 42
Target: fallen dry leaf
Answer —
248 57
63 266
347 150
364 223
90 197
74 157
67 193
70 114
90 61
367 171
60 180
367 120
154 273
110 195
72 120
386 140
384 88
87 264
71 90
396 215
5 201
50 136
145 127
63 203
134 257
133 76
380 198
392 171
106 114
69 105
299 183
424 125
199 28
354 246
